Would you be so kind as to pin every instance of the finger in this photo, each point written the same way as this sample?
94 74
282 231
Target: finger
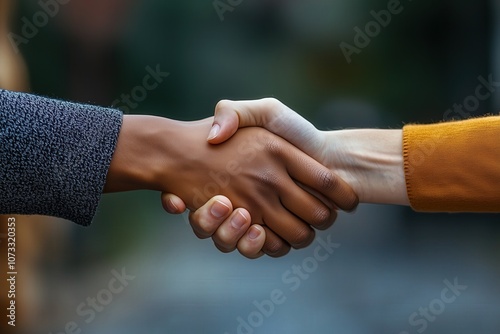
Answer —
251 244
231 115
274 246
207 219
290 228
268 113
312 174
327 202
306 206
231 230
172 204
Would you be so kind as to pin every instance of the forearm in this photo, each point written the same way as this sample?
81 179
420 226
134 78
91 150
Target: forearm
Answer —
371 161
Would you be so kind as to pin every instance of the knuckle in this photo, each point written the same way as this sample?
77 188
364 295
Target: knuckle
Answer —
222 104
225 238
268 178
274 147
328 180
272 102
201 226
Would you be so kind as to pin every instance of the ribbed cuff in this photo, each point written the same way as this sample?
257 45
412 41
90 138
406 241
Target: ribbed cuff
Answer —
453 166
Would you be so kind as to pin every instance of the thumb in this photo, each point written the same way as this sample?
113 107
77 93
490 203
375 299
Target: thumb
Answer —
231 115
172 203
269 114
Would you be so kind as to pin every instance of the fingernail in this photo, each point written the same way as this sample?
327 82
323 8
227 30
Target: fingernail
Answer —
219 209
172 205
254 233
238 220
214 131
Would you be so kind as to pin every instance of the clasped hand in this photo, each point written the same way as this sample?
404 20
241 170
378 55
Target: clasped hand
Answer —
280 194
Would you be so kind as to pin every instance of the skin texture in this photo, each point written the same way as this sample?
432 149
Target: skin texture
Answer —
370 161
248 239
255 169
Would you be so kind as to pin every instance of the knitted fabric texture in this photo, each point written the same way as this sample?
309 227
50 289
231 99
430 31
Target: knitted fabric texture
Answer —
54 156
453 166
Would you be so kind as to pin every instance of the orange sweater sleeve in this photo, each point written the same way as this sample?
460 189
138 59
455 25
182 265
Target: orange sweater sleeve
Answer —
454 166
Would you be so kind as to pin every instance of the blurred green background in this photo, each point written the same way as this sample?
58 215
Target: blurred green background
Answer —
391 261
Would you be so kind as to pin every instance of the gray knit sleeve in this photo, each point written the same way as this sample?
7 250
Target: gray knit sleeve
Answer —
54 156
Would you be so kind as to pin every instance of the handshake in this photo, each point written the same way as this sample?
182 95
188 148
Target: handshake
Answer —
257 177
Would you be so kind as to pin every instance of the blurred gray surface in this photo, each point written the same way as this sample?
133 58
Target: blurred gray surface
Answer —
388 265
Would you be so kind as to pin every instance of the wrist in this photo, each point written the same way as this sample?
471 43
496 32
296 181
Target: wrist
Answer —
142 157
371 161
